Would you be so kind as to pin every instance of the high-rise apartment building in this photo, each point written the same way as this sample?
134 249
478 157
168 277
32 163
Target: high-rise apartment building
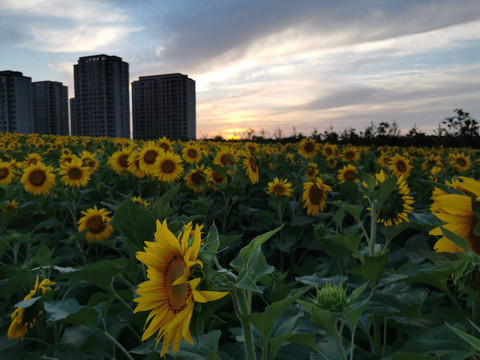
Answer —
164 105
16 113
101 103
50 108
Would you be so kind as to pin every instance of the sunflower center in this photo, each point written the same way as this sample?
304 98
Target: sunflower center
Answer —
401 166
123 160
75 173
165 146
95 224
4 173
349 175
328 151
37 177
315 195
168 167
349 155
226 159
278 190
461 162
217 177
198 178
309 148
150 156
253 164
177 294
192 153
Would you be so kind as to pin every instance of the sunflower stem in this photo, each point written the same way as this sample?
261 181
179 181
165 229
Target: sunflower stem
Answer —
120 346
242 310
373 227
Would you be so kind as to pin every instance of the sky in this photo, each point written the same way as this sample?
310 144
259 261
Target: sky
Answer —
274 66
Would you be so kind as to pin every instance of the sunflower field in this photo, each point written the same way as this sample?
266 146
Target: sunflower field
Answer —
126 249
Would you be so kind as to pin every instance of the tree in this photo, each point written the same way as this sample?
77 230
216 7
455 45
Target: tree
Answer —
461 125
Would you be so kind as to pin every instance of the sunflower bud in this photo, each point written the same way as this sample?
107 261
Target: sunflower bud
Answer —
332 297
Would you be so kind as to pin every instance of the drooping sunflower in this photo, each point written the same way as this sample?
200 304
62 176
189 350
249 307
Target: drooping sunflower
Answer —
38 179
396 209
279 188
24 318
147 156
138 200
134 164
6 173
168 294
252 147
348 173
75 174
308 148
97 224
192 154
312 170
314 195
455 210
251 167
10 205
167 167
197 178
119 160
216 179
400 166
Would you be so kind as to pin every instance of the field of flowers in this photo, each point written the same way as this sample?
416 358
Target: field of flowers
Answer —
123 249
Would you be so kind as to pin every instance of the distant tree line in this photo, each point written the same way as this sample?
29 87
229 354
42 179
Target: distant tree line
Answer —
460 130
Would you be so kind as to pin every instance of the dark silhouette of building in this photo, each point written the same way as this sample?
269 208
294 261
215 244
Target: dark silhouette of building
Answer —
16 113
50 108
101 103
164 105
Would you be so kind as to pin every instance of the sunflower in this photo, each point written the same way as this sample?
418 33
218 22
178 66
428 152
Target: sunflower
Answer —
312 171
147 157
348 173
38 179
460 162
332 162
134 164
216 179
329 150
138 200
396 209
88 159
6 173
167 167
251 167
32 158
168 294
400 166
196 178
384 160
23 318
350 154
97 224
252 147
225 157
192 154
10 205
314 195
119 160
66 158
308 148
455 210
165 144
279 188
75 174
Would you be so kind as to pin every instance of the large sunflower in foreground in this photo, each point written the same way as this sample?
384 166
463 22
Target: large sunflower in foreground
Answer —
455 210
75 174
6 173
167 167
38 179
23 318
279 188
168 293
308 148
396 209
314 195
147 157
97 224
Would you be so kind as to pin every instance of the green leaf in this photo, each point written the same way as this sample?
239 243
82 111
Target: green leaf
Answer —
241 261
458 240
162 206
135 223
27 303
212 243
351 242
84 317
368 180
411 356
473 341
372 267
385 189
202 349
58 310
